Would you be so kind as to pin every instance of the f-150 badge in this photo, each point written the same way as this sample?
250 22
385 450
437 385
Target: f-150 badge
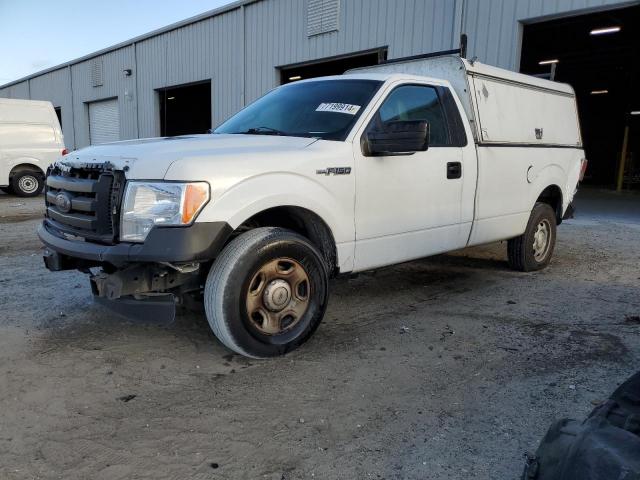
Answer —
335 171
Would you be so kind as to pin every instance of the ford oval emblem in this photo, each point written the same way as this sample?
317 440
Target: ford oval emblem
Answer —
63 202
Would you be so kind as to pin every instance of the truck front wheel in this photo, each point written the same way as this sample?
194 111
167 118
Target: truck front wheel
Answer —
266 293
533 249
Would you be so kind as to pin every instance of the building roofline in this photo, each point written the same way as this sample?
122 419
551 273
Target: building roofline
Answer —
127 43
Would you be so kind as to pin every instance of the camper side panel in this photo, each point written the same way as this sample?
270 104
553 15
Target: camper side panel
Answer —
515 113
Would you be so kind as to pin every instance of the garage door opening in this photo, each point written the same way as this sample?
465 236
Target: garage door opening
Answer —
597 54
185 109
332 65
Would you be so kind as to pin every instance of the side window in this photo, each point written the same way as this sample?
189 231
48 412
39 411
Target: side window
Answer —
416 102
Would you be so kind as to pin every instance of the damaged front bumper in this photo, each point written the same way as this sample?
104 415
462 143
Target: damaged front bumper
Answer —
145 290
139 280
196 243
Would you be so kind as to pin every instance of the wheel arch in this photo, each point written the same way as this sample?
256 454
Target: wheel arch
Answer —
300 220
26 164
552 196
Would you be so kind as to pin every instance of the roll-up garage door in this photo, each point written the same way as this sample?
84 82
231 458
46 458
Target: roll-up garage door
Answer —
104 121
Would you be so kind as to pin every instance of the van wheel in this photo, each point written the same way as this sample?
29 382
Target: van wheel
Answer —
266 293
27 183
533 249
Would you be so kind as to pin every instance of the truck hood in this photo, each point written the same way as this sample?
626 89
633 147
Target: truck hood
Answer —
150 158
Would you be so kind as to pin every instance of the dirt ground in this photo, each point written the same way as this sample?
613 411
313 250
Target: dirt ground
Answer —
450 367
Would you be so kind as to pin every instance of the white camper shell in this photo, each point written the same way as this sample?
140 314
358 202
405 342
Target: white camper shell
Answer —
503 107
30 140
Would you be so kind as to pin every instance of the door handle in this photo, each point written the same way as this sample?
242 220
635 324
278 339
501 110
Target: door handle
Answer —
454 170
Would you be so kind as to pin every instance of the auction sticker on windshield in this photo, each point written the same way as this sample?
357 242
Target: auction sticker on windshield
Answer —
338 108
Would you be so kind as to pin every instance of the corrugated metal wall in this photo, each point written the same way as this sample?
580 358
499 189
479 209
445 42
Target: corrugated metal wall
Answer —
115 85
206 50
17 90
56 87
239 50
277 33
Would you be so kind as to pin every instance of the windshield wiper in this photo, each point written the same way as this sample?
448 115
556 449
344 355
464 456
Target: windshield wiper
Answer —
263 131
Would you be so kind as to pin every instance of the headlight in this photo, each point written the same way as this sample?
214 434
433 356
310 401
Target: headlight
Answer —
147 204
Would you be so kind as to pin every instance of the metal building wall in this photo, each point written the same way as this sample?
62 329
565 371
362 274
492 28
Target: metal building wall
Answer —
494 27
238 51
276 33
207 50
17 90
56 87
115 84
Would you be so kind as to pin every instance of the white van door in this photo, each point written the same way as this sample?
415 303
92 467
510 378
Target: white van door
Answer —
410 206
104 121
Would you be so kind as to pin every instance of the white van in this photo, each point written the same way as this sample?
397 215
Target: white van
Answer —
30 140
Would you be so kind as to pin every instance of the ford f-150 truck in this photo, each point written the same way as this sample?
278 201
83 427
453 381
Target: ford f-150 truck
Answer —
317 178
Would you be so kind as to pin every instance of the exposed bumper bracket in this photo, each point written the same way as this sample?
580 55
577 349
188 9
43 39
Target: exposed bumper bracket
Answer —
139 279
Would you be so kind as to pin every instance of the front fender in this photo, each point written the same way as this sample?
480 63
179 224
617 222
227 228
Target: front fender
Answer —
255 194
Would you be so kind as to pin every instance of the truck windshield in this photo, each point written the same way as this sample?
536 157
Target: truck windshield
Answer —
325 109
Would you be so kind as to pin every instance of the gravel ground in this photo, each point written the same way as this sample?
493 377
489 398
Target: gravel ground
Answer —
450 367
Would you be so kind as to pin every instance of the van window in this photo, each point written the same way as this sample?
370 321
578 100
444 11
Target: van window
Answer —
58 111
417 102
26 134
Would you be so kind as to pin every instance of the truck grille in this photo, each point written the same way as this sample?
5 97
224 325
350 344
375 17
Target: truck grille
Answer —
84 201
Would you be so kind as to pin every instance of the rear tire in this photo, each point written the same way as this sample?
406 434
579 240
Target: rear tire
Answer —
27 183
533 249
266 293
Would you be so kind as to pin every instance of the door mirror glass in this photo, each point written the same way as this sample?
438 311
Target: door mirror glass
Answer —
397 138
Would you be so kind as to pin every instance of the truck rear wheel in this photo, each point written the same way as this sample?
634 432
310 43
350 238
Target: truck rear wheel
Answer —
27 183
266 293
533 249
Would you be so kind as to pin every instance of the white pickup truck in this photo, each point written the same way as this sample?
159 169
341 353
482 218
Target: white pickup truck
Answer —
318 178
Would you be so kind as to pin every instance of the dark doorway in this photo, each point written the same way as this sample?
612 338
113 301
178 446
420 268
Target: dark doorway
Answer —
185 109
332 65
597 54
58 111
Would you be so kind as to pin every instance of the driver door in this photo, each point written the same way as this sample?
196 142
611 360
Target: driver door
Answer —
408 205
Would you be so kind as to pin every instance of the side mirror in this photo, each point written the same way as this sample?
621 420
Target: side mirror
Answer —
397 138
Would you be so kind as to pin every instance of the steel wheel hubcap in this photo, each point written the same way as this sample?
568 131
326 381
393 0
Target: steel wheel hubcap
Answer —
541 240
28 184
278 296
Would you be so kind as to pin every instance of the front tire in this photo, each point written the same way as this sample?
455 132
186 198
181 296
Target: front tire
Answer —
27 183
266 293
533 249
